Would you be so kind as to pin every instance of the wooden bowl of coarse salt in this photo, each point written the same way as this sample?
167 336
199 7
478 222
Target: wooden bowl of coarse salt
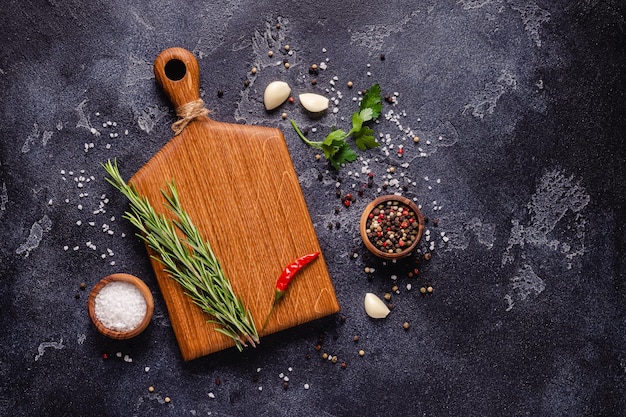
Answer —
120 306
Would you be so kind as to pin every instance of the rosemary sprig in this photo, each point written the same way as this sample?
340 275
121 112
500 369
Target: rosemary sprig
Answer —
189 260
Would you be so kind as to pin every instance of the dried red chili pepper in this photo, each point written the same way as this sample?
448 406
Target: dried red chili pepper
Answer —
287 276
289 272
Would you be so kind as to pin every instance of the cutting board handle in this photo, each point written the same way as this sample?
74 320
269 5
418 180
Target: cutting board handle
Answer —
177 72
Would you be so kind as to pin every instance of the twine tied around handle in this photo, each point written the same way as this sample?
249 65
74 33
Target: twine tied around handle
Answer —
187 112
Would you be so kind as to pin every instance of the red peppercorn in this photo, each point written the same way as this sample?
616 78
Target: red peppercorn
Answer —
371 216
105 356
346 203
291 99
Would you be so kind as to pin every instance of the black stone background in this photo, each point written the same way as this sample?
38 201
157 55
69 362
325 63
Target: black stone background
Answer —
527 315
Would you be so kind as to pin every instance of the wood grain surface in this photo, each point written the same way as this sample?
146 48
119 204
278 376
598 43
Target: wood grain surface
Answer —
239 186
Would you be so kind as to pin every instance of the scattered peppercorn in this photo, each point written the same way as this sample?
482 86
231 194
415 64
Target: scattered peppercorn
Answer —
253 70
167 399
324 355
285 384
150 388
334 359
387 296
394 288
423 290
416 139
270 53
77 295
344 365
291 99
361 353
382 57
318 156
220 93
287 65
246 82
429 289
435 222
283 115
350 84
405 325
83 286
218 381
287 47
314 81
427 256
355 338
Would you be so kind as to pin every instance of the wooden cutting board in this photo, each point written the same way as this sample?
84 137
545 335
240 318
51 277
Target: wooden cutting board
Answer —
239 186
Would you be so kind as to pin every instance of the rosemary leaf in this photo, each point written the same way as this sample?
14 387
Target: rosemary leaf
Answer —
189 259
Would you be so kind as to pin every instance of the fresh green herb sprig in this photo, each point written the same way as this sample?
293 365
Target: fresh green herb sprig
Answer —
189 260
336 150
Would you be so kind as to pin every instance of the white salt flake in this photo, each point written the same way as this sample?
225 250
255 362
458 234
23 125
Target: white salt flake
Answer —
120 306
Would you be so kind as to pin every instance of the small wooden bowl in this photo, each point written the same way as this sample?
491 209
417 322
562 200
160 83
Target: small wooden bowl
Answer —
383 200
143 289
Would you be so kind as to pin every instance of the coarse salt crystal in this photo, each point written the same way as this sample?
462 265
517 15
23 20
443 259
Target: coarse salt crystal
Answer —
120 306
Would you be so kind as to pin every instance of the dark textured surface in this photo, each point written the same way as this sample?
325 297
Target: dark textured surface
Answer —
519 106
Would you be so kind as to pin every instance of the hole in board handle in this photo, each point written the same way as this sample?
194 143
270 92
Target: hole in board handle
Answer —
175 69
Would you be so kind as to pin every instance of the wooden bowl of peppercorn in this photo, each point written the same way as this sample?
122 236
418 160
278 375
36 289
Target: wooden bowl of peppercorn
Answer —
391 226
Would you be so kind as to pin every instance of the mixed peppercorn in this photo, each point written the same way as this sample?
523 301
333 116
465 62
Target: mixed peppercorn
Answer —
392 227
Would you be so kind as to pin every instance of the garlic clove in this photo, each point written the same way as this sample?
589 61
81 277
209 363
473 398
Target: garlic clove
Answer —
375 307
275 94
313 102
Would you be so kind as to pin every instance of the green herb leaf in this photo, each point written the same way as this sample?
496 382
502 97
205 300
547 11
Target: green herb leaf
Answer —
335 137
357 122
365 114
365 139
373 100
344 154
